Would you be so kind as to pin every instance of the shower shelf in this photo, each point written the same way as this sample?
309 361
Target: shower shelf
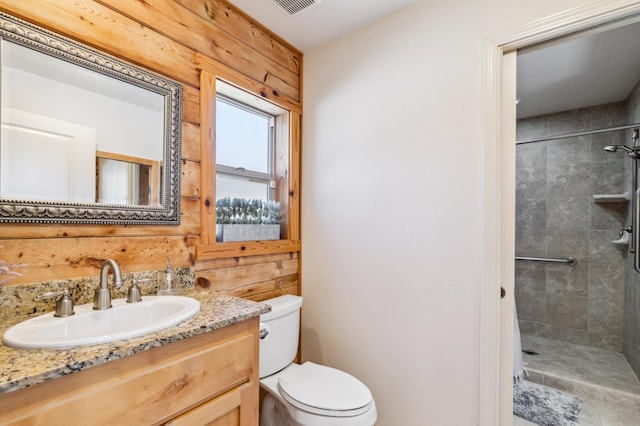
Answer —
612 198
623 240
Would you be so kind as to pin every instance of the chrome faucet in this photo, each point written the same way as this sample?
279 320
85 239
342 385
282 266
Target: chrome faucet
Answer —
102 294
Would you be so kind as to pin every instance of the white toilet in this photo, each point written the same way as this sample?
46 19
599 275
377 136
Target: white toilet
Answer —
307 394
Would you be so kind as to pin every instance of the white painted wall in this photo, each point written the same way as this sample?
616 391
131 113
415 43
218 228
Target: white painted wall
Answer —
392 204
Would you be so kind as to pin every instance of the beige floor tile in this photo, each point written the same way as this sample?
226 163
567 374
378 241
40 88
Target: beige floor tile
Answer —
609 389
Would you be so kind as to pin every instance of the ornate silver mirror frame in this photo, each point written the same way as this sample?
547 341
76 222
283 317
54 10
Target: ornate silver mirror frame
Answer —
168 211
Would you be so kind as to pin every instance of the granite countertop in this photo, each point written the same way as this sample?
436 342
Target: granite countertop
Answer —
20 368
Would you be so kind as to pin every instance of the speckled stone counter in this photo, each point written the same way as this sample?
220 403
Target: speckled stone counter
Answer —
21 368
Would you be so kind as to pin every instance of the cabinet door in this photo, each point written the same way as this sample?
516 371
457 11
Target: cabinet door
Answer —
218 368
225 410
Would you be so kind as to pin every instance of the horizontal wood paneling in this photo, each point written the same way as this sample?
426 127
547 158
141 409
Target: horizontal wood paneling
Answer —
258 87
57 258
107 30
173 38
268 289
224 278
186 28
234 22
231 262
255 277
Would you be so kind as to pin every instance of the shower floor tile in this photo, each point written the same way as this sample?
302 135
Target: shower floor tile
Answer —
605 382
580 363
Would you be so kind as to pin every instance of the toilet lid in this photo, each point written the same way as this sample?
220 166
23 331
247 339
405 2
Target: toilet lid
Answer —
325 390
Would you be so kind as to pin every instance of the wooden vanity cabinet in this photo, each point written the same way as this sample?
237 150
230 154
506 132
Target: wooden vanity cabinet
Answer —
207 379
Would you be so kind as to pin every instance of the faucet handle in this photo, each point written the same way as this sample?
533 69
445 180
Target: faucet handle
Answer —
133 294
64 305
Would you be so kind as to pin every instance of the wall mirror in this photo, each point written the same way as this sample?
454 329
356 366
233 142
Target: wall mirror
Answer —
85 137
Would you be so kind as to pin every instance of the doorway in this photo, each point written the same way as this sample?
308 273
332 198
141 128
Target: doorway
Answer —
578 103
500 134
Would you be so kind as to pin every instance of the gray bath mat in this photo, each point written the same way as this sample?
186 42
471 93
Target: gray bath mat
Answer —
545 406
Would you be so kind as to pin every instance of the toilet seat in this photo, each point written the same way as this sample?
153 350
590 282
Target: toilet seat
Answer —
325 391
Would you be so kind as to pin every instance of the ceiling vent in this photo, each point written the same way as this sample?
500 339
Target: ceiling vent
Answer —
293 7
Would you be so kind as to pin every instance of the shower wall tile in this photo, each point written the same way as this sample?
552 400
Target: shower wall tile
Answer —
567 243
575 304
607 282
530 328
631 321
531 214
569 180
531 128
570 214
529 276
602 251
603 341
578 120
631 315
569 151
531 183
608 177
608 216
531 305
531 155
571 335
600 140
605 317
567 311
531 243
564 280
608 115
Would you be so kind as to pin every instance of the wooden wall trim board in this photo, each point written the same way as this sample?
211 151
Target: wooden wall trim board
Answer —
208 153
260 88
295 157
287 168
179 39
246 248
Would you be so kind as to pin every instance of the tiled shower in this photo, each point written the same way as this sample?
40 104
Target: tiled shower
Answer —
595 303
557 218
580 324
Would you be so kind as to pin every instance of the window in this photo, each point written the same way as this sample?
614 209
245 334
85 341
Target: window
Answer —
254 137
244 151
248 130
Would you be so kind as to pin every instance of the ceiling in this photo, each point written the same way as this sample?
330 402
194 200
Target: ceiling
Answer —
583 71
319 24
577 72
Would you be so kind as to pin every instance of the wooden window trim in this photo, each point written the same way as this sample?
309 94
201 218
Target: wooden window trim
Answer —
208 248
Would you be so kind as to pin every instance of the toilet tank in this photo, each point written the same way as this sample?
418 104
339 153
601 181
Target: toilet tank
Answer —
279 333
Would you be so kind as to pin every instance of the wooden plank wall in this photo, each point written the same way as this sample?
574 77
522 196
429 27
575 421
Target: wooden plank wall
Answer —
165 36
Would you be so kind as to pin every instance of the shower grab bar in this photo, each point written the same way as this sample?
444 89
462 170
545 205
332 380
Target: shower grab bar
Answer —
635 235
571 261
634 204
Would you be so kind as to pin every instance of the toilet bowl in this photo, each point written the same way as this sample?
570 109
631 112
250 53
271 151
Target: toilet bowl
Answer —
309 394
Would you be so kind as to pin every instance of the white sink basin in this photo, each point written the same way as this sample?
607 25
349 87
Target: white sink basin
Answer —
89 327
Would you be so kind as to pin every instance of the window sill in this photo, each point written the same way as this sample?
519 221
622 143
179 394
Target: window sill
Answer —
245 248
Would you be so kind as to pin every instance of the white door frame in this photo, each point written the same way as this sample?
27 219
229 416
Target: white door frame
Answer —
499 82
